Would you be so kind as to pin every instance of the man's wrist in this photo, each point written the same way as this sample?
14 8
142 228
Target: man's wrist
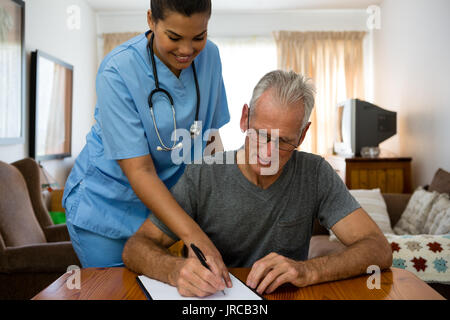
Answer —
309 272
192 235
175 271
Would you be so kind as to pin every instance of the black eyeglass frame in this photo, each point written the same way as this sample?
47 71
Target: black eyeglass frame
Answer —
279 148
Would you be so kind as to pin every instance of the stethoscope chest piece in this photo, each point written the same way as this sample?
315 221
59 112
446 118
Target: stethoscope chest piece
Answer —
195 129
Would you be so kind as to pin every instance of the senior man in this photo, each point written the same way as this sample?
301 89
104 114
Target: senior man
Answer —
260 209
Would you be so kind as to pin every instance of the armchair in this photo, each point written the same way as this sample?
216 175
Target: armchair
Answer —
33 251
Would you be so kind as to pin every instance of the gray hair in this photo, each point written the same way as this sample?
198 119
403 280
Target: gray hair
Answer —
289 87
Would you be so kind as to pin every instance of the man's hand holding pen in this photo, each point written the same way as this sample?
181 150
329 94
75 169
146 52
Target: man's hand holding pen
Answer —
193 279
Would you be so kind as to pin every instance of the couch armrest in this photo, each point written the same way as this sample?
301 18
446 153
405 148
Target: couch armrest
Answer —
396 204
46 257
56 233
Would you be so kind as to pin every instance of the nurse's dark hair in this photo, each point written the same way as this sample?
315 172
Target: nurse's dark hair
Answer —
160 8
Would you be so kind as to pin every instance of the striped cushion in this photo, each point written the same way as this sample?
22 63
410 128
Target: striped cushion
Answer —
414 217
373 203
438 220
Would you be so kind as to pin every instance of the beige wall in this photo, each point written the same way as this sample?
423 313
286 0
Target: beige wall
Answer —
412 77
46 30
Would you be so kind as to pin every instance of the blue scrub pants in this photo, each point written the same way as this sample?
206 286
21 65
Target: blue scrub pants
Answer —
92 249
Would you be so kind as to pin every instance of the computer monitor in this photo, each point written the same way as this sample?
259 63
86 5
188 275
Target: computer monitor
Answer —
362 124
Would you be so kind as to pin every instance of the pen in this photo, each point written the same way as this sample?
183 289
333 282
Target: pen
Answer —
202 258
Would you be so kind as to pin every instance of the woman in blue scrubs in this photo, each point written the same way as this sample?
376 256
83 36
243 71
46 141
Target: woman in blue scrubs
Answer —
123 174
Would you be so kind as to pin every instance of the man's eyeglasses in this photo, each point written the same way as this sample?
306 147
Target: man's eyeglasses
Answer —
262 138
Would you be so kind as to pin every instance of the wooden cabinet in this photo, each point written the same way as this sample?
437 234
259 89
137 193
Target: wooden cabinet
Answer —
391 175
56 200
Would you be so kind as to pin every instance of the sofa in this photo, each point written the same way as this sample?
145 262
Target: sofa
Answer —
321 243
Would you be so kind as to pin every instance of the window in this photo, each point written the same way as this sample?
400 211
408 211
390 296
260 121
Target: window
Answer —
244 62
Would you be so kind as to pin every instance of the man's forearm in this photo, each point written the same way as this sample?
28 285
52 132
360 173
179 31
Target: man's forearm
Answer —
349 262
144 256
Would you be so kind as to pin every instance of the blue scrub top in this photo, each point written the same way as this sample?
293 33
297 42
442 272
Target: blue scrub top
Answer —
106 203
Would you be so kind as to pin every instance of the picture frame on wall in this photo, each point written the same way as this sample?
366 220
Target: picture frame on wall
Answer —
12 72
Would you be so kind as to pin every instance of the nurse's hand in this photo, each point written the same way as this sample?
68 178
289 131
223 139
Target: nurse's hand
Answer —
213 258
192 279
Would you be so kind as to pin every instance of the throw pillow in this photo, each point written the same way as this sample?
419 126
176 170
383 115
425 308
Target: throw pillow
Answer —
444 223
438 220
373 203
427 256
415 215
440 182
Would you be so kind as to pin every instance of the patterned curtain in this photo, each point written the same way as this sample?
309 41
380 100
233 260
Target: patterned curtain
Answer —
112 40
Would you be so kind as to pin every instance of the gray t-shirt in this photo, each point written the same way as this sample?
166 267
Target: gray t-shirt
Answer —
246 223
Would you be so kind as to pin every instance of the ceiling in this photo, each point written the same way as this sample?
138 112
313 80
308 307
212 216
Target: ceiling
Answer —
234 5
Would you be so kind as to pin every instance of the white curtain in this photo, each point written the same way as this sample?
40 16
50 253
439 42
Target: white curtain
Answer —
55 138
244 62
10 86
52 107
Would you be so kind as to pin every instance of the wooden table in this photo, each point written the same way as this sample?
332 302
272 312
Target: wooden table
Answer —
121 284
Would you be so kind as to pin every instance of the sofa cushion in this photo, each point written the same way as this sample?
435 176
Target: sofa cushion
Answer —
18 224
415 215
396 204
427 256
31 172
440 182
438 220
373 203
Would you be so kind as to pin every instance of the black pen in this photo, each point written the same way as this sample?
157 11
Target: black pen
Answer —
202 258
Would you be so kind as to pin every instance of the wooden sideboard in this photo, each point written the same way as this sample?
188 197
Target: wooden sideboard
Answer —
391 175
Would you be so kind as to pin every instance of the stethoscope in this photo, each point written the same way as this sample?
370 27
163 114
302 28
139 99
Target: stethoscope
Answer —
195 127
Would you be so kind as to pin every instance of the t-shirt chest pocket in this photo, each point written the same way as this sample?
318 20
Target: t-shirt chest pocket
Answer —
291 236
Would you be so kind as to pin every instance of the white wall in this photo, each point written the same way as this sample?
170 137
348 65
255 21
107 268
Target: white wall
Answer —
412 68
46 30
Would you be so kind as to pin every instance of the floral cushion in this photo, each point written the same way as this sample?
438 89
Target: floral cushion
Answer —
427 256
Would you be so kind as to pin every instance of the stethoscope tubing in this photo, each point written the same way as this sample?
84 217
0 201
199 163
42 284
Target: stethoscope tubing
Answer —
194 127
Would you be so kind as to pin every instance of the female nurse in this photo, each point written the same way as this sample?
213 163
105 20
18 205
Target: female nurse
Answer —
126 169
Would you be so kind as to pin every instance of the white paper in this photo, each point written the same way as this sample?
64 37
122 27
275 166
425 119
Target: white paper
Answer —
161 291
